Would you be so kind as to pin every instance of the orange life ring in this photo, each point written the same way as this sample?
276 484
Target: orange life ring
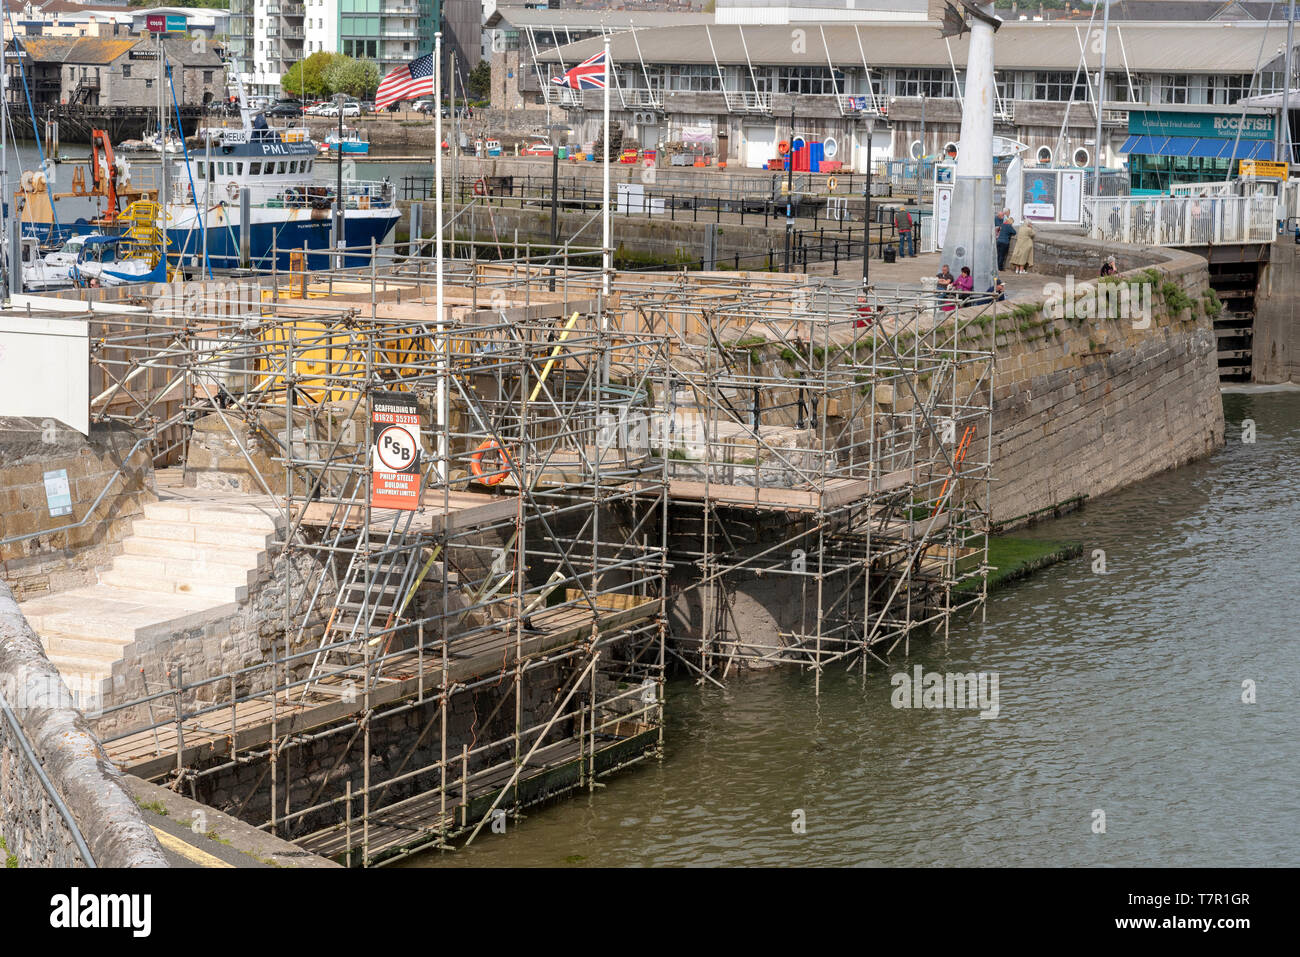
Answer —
782 148
498 475
480 188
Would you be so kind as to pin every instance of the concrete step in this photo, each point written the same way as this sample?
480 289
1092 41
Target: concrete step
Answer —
153 569
221 554
61 644
212 512
221 514
162 529
99 664
231 537
198 588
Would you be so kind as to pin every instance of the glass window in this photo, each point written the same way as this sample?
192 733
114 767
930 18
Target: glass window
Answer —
254 169
812 80
1060 87
1174 89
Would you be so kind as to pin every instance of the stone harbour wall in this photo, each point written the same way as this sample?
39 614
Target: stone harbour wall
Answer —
50 554
91 789
1083 406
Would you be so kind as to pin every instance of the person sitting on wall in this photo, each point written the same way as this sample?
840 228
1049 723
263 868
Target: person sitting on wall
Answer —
961 287
1108 268
944 277
995 293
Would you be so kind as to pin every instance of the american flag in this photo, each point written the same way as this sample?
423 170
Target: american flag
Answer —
406 82
587 75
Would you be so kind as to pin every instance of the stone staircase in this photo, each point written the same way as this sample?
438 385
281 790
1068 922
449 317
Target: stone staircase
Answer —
191 560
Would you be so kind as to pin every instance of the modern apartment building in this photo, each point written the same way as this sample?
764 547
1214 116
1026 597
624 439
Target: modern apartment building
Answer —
269 36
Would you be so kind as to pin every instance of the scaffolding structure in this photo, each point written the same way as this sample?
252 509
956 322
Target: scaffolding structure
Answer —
529 579
595 462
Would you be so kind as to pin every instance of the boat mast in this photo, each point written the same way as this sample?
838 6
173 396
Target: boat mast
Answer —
162 149
1101 99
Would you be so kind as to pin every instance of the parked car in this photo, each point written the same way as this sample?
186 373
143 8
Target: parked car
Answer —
349 109
367 106
285 108
423 106
538 149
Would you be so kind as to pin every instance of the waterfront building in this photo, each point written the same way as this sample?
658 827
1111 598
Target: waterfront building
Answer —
893 87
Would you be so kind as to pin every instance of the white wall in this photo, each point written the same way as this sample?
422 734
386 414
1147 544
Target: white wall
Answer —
45 370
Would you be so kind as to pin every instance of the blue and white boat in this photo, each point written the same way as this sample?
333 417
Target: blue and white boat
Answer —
354 143
289 211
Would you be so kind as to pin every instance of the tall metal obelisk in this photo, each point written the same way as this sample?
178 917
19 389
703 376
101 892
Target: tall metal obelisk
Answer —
969 239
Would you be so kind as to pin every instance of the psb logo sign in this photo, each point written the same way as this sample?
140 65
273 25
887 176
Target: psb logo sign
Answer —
395 456
395 448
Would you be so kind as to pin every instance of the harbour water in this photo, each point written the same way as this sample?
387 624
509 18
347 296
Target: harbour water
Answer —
1119 692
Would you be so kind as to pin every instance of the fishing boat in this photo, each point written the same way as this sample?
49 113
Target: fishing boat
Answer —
354 142
273 170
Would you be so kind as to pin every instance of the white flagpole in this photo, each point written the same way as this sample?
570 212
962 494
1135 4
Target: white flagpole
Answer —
438 300
606 257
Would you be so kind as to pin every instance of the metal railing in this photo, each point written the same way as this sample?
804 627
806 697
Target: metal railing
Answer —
28 755
1181 220
748 101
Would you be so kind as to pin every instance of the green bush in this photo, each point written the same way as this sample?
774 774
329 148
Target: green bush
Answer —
1176 300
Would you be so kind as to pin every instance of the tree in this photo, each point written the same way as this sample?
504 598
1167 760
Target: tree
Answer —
354 77
480 81
306 78
615 143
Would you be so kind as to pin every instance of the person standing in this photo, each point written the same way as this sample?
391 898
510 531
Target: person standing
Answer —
1022 256
903 226
1006 233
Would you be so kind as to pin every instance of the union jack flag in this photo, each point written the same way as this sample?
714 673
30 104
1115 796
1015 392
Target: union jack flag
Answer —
587 75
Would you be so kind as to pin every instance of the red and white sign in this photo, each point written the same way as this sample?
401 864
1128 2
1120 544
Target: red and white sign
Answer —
395 456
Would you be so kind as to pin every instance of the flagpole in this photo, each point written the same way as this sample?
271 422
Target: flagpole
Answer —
441 410
606 257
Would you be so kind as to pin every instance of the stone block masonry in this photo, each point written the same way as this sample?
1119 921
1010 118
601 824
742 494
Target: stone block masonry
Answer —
1083 406
41 553
87 784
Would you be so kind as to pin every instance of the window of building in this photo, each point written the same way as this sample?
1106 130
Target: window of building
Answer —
1060 87
1229 88
126 70
930 83
811 80
694 77
1174 89
148 84
207 76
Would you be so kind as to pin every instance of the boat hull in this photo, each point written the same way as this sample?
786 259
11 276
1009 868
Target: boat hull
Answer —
276 234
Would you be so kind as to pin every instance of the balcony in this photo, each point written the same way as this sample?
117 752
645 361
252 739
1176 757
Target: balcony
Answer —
293 10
